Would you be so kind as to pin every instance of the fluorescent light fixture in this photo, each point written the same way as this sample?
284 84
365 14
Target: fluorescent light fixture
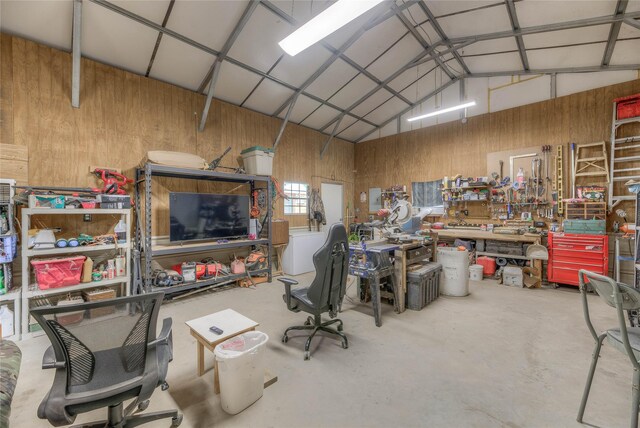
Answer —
331 19
442 111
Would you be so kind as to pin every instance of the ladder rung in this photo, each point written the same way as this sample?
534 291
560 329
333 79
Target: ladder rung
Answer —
627 147
599 158
626 170
630 177
623 198
627 159
600 143
627 139
590 174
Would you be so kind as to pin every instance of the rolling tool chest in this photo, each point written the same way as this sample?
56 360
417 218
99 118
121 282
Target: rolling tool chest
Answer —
569 252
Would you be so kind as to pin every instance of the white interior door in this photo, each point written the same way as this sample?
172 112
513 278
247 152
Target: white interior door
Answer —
331 195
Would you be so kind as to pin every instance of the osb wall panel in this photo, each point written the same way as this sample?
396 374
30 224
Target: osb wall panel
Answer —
123 115
452 148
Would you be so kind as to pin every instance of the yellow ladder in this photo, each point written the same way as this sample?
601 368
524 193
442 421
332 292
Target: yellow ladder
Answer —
560 180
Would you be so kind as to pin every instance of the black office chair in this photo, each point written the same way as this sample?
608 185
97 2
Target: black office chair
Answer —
327 290
104 353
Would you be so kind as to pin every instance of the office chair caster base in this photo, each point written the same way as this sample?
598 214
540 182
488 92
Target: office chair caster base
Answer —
143 405
175 422
307 356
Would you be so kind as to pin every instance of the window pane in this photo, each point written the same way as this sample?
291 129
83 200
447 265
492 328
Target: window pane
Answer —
287 210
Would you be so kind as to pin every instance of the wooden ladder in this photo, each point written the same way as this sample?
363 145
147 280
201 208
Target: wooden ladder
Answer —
592 166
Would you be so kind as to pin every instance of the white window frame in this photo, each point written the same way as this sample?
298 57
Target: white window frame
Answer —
298 201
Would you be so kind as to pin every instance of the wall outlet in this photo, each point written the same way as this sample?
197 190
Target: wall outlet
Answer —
86 217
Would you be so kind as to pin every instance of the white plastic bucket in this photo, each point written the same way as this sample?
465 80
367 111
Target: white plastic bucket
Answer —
454 278
241 364
475 272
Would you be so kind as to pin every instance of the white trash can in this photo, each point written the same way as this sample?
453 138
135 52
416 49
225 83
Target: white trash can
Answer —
241 363
454 278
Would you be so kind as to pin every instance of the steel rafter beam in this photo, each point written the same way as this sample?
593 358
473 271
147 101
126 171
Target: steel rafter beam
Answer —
552 71
632 22
515 24
414 62
408 109
76 54
159 38
291 20
444 52
214 71
434 23
587 69
193 43
333 134
285 121
567 25
621 7
425 45
380 17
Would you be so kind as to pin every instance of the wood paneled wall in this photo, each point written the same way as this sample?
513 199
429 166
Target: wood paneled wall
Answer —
452 148
123 115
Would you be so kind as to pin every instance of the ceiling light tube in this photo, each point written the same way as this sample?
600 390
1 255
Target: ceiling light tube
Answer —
443 111
331 19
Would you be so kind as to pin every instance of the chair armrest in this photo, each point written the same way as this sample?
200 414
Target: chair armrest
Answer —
288 282
164 336
49 360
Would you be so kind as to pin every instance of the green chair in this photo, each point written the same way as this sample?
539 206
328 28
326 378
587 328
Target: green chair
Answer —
625 339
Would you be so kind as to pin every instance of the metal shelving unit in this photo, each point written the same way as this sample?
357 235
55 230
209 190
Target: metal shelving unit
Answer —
636 254
30 291
146 250
12 296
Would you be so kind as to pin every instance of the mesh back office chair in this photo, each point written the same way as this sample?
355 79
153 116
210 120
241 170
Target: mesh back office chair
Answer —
625 339
104 353
327 290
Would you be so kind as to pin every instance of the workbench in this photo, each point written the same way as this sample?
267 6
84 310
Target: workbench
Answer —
474 234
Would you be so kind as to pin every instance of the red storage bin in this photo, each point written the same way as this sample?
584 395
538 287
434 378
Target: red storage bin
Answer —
488 265
54 273
628 106
570 252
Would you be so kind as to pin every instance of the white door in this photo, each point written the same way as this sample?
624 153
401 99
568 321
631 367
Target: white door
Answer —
331 195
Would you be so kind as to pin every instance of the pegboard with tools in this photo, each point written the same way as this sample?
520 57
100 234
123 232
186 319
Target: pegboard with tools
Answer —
525 183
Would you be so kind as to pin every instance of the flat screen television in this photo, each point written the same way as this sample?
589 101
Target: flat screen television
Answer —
202 216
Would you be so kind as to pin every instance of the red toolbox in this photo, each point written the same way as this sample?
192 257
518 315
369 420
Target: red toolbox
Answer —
628 106
570 252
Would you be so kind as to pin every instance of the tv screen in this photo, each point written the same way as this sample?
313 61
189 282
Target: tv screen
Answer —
198 216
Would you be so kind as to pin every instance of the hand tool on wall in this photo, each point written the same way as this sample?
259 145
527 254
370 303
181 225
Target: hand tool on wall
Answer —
572 148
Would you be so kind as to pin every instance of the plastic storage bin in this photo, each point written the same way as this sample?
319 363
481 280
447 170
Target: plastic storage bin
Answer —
258 160
628 106
55 273
454 278
512 275
8 246
241 365
423 286
476 272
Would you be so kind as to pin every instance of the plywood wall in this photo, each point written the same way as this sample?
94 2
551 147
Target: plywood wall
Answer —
123 115
452 148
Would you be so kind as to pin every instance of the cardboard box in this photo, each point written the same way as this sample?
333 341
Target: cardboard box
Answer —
280 232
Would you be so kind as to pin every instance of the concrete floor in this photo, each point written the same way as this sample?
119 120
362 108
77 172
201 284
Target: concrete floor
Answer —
501 357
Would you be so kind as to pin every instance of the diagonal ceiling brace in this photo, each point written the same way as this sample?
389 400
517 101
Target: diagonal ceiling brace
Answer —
408 109
273 8
377 19
511 10
434 23
621 7
285 121
214 71
76 54
434 55
632 22
333 134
